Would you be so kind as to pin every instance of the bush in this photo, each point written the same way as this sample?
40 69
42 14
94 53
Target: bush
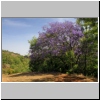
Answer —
92 71
67 72
10 71
7 71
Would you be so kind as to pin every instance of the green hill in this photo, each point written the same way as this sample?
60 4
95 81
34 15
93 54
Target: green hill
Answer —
14 62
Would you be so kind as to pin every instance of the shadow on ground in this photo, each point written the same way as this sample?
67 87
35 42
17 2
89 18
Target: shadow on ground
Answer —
47 77
43 80
33 74
65 78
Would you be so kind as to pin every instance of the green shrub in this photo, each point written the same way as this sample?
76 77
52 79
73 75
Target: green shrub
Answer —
10 71
7 71
67 72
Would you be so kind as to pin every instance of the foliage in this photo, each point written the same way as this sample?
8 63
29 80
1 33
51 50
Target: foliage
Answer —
89 46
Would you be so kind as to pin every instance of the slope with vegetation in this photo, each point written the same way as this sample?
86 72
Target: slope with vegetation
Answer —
14 63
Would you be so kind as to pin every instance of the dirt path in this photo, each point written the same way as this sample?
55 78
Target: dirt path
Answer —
47 77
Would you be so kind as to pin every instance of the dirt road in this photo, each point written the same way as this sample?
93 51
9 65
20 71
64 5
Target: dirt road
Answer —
46 77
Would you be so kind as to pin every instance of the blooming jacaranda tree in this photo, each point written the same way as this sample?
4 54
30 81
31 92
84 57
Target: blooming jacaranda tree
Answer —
56 39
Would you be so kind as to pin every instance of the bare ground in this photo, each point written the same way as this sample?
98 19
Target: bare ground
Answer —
46 77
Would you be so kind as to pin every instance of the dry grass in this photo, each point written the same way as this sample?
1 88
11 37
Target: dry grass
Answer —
46 77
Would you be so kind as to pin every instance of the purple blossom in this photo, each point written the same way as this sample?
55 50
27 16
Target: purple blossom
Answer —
56 39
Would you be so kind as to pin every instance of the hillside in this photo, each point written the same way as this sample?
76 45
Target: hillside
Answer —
14 62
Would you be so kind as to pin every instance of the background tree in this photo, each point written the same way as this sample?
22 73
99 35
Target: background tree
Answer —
89 45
